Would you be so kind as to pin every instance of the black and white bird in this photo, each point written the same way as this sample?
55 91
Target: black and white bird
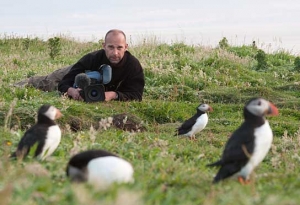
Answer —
99 168
45 135
249 144
196 123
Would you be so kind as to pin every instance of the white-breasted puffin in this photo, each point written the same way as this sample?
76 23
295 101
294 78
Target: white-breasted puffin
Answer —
196 123
249 144
45 134
99 168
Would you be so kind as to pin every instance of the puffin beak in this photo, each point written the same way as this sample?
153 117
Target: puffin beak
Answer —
58 114
210 109
272 111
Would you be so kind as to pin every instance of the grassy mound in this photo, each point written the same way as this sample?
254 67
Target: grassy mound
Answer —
168 169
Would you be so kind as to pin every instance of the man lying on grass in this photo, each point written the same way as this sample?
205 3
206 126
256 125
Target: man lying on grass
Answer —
126 76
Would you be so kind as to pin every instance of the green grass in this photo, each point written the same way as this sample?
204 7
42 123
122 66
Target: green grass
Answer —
168 169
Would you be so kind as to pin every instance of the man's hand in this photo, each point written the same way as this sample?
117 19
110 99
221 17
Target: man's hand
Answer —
74 93
110 95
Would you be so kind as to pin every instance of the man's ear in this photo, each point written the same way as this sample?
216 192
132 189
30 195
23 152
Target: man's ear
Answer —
126 46
103 45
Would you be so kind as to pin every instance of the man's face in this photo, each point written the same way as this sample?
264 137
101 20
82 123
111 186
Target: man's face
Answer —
115 46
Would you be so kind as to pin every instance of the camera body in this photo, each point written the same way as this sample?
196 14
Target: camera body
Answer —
92 83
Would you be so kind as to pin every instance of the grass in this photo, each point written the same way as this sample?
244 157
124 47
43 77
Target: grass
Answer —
168 169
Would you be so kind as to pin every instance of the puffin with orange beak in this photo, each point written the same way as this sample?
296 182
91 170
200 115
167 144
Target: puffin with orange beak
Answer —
249 144
45 134
196 123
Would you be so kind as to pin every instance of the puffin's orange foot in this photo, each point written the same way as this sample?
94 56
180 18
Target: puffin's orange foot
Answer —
243 181
192 138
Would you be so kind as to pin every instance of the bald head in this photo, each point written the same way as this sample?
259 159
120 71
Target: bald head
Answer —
115 32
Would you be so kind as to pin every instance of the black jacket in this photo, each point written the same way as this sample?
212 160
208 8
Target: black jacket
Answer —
127 76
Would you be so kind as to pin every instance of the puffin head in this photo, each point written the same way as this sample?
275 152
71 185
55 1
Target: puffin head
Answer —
204 108
261 107
50 112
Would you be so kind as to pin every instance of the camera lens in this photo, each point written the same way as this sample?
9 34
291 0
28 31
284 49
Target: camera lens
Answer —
94 93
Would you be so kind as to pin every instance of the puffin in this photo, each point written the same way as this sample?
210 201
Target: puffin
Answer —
45 135
196 123
249 144
100 168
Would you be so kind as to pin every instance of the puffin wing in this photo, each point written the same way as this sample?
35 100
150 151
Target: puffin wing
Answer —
30 138
237 152
240 145
186 125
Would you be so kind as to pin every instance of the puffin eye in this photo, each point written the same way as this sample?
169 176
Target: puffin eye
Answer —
259 103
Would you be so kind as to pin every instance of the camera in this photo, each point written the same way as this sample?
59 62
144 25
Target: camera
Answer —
92 83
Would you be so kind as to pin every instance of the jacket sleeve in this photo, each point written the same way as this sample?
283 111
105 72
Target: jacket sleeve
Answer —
68 79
